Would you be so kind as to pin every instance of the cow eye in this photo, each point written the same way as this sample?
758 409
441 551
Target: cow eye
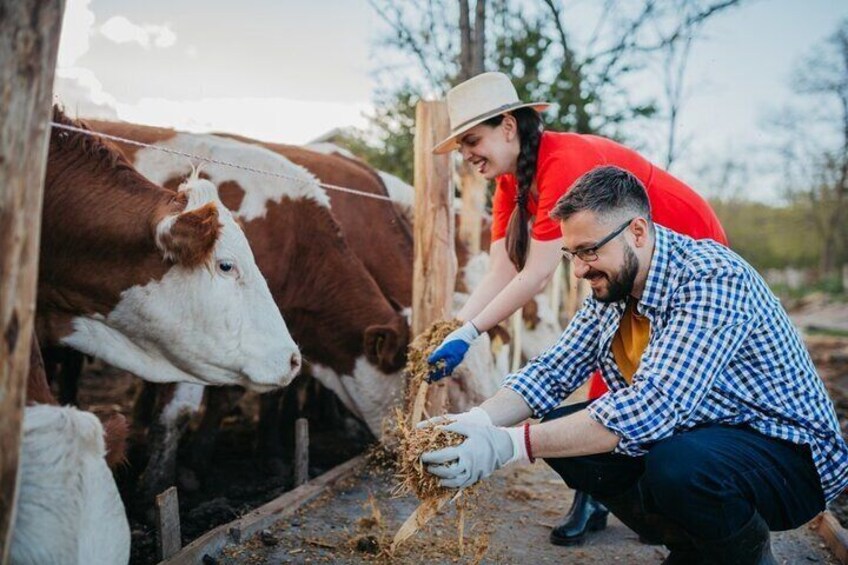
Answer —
227 267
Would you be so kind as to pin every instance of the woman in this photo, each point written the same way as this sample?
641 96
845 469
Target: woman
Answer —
503 138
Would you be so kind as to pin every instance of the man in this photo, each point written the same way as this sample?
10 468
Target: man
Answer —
716 428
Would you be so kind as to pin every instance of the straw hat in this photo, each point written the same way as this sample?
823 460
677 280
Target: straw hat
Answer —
478 99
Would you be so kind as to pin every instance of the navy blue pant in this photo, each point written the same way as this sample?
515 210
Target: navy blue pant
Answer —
709 480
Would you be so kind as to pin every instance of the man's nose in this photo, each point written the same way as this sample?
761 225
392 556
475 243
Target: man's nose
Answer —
581 267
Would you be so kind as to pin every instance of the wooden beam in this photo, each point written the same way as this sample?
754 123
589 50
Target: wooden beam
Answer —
213 541
434 271
556 291
572 301
834 535
473 193
168 536
301 451
29 42
517 326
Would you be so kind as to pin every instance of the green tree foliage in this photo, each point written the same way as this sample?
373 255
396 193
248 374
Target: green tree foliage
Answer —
769 236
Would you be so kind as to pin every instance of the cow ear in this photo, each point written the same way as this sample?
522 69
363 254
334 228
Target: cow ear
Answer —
189 237
383 348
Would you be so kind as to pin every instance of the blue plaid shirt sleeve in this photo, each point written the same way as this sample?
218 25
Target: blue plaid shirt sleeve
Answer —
549 378
709 318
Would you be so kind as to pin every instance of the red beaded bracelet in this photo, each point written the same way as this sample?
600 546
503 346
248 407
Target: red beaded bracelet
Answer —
527 442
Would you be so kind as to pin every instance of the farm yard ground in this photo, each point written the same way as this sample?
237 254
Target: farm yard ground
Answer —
517 526
508 523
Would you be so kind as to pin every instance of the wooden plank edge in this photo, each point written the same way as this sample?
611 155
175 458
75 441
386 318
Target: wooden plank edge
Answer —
834 535
213 541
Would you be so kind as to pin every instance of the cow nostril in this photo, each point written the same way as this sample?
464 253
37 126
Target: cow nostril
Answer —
295 362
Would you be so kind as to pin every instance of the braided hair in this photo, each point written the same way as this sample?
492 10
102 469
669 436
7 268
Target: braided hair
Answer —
529 136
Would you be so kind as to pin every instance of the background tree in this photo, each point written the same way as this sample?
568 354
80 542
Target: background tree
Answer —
814 146
579 58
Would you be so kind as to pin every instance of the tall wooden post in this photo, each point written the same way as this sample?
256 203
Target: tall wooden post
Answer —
435 259
473 193
29 42
555 287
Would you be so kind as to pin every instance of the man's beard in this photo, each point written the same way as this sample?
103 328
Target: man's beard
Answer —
621 285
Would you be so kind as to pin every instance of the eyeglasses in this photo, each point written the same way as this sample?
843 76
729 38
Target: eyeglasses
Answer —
589 254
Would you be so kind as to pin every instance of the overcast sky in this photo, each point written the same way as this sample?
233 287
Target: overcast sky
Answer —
289 71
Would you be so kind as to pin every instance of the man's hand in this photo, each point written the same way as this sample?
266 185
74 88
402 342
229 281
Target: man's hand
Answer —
476 416
452 350
485 449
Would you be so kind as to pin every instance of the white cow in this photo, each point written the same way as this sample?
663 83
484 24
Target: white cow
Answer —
68 508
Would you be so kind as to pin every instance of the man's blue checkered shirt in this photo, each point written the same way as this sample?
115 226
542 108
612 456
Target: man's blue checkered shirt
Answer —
722 350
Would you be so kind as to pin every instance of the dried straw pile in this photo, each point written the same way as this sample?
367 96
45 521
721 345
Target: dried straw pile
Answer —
414 441
419 350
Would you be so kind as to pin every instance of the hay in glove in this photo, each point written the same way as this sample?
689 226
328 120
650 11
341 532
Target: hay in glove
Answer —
414 441
417 368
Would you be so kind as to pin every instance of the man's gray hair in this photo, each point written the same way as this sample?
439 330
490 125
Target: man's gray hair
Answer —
605 191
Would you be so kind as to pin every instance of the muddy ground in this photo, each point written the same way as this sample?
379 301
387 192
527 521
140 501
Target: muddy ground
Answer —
237 480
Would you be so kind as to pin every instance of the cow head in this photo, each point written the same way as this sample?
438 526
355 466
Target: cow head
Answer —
210 319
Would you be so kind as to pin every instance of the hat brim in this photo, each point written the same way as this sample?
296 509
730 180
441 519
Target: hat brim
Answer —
450 143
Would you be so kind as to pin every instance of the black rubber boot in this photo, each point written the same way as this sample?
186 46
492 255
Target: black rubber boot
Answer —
586 515
750 546
628 508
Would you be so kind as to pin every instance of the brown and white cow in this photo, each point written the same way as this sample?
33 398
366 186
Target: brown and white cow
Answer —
481 372
346 327
376 233
159 283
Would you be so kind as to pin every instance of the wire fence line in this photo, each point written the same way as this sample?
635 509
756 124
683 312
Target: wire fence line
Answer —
217 161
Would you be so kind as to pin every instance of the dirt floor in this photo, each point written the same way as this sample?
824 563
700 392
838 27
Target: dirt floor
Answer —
237 481
509 523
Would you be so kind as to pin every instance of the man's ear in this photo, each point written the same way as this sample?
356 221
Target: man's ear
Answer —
641 231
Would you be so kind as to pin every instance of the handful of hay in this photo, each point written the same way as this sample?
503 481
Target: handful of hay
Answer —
414 441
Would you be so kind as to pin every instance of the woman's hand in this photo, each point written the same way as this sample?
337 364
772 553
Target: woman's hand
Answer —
451 352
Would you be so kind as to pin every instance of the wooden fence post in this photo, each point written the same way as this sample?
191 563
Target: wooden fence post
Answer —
301 451
168 537
473 192
434 273
29 42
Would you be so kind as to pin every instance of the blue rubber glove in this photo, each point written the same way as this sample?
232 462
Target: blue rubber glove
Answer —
485 450
451 351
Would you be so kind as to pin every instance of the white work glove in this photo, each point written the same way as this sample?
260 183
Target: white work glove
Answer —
451 351
485 450
476 416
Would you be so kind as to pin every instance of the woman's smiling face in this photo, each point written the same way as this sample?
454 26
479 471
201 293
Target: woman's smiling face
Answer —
491 150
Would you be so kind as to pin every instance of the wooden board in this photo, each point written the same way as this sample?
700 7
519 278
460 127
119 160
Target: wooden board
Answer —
834 535
434 271
213 541
29 42
168 538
